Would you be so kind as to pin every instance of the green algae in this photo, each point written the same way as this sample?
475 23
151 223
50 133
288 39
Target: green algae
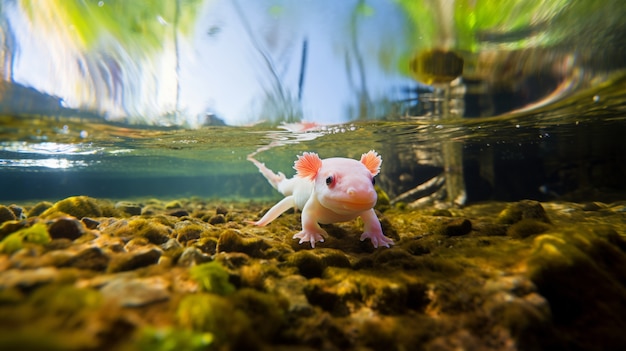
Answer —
36 234
216 315
212 277
171 339
266 313
77 206
383 203
582 273
154 231
527 227
525 209
39 208
486 286
53 317
6 214
232 241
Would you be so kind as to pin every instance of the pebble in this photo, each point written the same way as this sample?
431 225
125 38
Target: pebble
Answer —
192 256
457 227
134 260
66 228
131 208
136 292
6 214
28 278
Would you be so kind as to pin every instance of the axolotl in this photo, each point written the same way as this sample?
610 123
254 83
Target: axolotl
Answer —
328 191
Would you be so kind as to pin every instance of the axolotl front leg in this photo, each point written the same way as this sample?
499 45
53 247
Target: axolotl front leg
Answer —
373 230
311 231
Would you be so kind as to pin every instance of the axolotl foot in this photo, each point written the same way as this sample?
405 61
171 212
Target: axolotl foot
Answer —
311 237
378 239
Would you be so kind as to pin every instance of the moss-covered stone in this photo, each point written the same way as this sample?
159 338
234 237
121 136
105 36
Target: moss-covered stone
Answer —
153 231
456 227
6 214
267 313
308 264
77 206
217 315
68 228
212 277
39 208
232 241
175 204
133 260
188 230
128 207
36 234
525 209
583 277
527 227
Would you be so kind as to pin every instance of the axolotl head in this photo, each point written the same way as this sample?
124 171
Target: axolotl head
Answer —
342 185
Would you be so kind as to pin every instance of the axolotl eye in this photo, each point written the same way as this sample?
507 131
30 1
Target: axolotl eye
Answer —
373 181
330 181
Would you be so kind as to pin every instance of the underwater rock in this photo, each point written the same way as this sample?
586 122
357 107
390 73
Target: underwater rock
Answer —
154 231
212 277
66 228
90 223
178 212
217 315
291 289
395 257
6 214
175 204
136 292
525 209
309 265
233 241
456 227
442 213
187 230
267 313
344 291
582 274
77 206
171 245
28 278
130 208
17 211
91 258
9 227
133 260
217 219
35 234
39 208
221 210
527 227
207 245
159 279
192 256
593 206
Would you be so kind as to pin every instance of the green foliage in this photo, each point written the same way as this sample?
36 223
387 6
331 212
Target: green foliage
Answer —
36 234
134 24
213 278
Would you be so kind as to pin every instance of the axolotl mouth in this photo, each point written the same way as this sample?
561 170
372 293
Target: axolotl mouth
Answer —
350 204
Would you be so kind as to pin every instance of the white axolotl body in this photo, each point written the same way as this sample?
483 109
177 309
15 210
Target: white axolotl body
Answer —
328 191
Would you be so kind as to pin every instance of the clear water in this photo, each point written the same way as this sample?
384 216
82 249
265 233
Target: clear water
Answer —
539 112
54 157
